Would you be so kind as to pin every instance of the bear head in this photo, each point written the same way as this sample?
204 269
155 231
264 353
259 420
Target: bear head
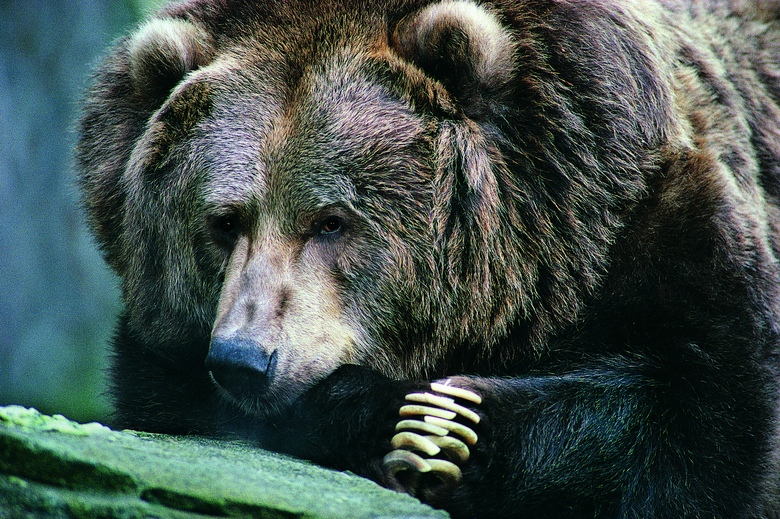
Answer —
291 188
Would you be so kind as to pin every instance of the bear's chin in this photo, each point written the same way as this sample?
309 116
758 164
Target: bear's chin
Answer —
260 404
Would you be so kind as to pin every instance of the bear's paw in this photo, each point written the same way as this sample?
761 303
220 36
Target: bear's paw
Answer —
433 436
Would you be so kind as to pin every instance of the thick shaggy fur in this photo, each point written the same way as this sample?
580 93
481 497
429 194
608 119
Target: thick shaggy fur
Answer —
570 206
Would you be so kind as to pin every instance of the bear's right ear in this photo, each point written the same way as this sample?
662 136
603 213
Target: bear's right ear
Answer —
162 52
462 45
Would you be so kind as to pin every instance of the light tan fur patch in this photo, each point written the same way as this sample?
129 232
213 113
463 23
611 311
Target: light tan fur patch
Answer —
285 303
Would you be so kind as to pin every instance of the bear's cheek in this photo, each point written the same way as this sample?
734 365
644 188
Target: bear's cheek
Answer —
314 338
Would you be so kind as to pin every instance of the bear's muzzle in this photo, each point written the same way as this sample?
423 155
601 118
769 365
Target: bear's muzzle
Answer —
240 367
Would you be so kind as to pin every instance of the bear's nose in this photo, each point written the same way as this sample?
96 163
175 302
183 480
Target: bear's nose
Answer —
241 367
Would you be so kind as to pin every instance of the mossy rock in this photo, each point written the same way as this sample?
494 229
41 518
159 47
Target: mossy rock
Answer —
52 467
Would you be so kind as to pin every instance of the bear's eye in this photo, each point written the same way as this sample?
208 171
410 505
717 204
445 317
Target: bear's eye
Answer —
331 225
227 224
226 229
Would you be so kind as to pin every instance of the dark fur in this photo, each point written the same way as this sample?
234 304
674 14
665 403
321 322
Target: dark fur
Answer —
589 236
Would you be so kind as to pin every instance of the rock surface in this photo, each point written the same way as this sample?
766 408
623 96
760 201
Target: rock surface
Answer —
52 467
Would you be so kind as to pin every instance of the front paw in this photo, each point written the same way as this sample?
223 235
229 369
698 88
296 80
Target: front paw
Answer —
433 438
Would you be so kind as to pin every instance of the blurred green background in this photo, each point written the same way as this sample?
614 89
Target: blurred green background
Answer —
58 300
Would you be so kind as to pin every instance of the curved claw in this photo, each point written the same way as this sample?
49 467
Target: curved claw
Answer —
421 426
458 392
456 450
410 440
416 410
398 460
461 430
447 471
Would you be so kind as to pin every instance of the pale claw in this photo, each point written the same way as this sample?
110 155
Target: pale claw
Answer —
421 426
459 392
416 410
455 449
460 429
398 460
445 470
410 440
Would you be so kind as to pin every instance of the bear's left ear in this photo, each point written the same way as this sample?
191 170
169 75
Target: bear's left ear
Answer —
463 46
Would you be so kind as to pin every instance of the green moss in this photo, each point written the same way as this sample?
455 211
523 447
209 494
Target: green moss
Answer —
51 467
24 418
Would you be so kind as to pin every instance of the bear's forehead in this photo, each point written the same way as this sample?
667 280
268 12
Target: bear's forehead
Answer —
338 131
283 115
337 116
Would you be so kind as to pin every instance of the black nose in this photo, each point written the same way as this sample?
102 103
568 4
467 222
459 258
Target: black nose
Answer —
241 367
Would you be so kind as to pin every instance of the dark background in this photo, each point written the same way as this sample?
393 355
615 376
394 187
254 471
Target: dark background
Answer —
58 300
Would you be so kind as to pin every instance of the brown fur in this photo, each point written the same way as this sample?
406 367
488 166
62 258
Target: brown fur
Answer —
570 206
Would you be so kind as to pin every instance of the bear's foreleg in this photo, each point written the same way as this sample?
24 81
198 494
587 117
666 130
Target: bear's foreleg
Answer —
615 437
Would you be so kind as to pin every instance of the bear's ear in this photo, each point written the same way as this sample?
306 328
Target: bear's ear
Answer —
162 52
463 46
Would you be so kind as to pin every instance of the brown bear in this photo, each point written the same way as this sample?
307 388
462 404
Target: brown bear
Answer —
517 258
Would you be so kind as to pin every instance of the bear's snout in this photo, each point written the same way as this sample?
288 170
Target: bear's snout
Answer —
241 367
